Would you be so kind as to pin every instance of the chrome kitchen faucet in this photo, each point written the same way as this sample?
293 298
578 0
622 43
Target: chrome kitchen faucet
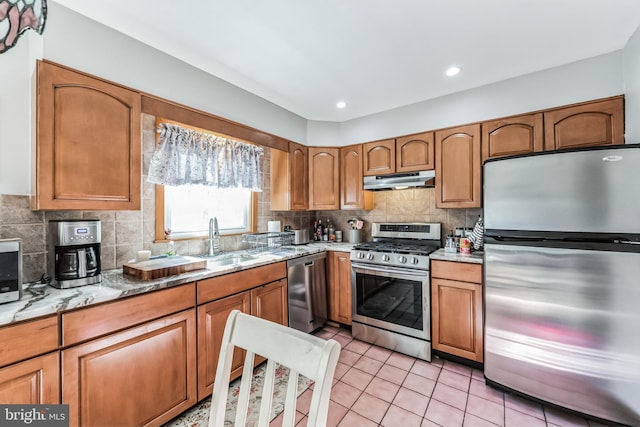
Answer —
214 237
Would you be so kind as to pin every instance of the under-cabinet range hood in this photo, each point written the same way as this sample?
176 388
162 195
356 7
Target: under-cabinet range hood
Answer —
400 180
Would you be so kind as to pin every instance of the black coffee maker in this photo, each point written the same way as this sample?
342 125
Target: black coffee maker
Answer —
74 253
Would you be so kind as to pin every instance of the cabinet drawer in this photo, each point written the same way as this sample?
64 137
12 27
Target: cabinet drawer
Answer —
92 322
28 339
462 271
229 284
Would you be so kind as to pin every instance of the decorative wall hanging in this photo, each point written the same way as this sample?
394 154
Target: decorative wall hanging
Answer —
17 16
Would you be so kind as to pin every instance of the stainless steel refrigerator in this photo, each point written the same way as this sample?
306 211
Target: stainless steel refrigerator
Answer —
562 279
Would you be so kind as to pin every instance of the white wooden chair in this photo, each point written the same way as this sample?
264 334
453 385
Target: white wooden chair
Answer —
305 354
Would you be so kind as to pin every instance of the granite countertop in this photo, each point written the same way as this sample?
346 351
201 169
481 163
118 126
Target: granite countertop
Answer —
41 299
476 257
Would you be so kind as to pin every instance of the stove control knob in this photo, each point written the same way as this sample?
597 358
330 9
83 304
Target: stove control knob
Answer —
360 255
370 256
414 260
402 259
386 257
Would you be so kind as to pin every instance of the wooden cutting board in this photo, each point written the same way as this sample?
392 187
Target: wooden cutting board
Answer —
163 267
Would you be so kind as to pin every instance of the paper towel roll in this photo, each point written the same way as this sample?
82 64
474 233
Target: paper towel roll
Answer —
273 226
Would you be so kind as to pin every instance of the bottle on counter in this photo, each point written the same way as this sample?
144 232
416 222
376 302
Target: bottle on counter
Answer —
319 230
450 245
330 230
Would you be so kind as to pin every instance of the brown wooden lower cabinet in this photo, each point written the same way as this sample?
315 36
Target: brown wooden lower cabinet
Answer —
267 301
142 376
270 302
339 287
456 307
34 381
139 361
212 318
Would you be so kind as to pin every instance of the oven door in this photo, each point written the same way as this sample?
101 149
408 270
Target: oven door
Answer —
391 298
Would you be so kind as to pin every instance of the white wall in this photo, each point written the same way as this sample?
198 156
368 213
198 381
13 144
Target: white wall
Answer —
17 115
76 41
593 78
632 88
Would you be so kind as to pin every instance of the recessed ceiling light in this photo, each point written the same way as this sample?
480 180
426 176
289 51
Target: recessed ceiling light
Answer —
341 104
453 71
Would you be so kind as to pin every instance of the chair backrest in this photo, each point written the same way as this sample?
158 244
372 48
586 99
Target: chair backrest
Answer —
304 354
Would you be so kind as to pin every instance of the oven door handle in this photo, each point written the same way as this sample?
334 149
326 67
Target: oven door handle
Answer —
390 270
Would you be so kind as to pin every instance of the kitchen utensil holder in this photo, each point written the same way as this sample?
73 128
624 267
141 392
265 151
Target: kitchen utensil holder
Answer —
355 236
267 242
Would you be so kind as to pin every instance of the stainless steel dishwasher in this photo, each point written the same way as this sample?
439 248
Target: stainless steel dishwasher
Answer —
307 283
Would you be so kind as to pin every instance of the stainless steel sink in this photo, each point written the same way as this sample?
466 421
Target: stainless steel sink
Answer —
227 259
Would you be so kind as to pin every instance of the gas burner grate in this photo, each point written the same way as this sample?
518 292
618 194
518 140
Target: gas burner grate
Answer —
398 248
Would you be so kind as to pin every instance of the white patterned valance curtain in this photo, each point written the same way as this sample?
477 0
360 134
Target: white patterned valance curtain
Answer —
188 157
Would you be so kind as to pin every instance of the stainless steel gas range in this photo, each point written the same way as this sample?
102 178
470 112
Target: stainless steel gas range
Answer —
390 287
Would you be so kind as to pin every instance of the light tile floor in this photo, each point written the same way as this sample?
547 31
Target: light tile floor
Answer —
374 386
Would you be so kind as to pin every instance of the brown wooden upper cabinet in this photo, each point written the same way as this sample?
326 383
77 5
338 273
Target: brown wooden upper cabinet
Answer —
415 153
405 154
324 175
352 194
585 125
458 167
379 157
512 135
289 175
88 150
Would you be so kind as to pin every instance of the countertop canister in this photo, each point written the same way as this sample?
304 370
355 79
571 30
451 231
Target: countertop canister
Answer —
355 236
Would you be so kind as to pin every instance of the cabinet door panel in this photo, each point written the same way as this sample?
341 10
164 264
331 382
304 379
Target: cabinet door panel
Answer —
415 153
212 318
88 142
144 375
379 157
458 167
457 318
339 287
513 135
35 381
585 125
352 194
270 302
324 190
298 178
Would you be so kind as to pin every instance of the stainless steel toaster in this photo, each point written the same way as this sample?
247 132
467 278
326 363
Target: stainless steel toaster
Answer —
300 237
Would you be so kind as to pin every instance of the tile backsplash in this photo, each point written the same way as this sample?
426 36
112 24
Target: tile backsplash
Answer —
126 232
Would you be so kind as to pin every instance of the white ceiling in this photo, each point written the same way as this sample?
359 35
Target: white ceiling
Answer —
376 55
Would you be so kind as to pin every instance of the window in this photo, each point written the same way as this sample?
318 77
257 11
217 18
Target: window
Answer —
184 211
188 209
